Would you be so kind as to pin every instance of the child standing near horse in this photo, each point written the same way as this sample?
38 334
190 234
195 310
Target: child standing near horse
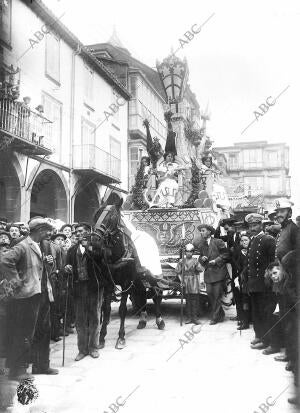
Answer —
189 268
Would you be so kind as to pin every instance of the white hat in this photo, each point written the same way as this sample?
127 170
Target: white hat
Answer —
282 204
253 218
189 247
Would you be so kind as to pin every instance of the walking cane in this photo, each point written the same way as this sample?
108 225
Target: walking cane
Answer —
65 321
182 274
181 288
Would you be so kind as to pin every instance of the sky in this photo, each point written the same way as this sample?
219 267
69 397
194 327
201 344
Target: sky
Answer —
247 51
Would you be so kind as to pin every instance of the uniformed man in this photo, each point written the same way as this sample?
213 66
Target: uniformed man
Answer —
289 235
260 254
287 243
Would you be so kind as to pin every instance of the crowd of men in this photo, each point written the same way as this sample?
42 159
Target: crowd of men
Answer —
50 282
265 266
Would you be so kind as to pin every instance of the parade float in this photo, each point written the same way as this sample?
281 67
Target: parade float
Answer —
177 187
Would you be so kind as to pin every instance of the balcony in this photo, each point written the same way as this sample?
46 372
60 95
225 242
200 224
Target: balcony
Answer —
138 112
24 130
88 158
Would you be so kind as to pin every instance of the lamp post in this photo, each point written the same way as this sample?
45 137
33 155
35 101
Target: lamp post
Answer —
173 74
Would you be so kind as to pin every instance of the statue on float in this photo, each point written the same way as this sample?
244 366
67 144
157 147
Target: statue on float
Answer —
166 180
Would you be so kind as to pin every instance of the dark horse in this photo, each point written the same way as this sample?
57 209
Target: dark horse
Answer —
123 272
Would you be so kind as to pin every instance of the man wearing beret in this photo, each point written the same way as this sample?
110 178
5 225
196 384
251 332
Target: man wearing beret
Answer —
23 267
261 253
213 256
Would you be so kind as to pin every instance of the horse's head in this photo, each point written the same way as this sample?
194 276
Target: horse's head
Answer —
98 240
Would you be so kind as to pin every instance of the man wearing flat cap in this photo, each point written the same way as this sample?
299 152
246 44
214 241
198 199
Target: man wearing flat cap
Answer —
213 256
261 253
23 267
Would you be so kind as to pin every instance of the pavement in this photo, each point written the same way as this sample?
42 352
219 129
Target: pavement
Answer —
189 368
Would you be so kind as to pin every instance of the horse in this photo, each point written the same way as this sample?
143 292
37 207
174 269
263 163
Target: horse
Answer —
123 268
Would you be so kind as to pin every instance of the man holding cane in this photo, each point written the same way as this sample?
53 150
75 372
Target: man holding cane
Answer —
86 265
23 268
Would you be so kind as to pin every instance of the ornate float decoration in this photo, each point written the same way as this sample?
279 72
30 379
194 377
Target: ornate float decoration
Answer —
177 189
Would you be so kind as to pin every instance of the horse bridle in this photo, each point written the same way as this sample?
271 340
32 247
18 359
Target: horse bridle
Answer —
106 236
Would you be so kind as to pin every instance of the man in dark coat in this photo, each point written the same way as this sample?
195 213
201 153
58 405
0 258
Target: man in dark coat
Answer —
4 247
213 256
261 253
289 235
42 334
287 240
88 292
23 268
232 241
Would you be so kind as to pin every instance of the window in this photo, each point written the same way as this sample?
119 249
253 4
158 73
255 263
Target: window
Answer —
53 112
233 161
252 158
273 158
88 132
5 21
53 57
135 154
88 84
133 86
274 183
115 155
253 185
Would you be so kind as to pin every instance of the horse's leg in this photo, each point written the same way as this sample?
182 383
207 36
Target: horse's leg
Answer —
106 309
157 299
120 344
141 301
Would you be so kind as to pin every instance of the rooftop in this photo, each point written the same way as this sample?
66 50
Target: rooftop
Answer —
41 10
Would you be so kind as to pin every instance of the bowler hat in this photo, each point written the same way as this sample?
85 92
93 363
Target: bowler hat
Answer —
208 227
228 221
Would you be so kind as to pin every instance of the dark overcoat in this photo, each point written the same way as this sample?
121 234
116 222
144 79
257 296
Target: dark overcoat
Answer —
261 253
217 251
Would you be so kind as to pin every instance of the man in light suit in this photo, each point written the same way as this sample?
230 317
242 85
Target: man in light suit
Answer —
23 268
213 257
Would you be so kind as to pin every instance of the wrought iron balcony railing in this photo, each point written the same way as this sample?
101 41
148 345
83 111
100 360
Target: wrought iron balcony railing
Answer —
89 157
27 131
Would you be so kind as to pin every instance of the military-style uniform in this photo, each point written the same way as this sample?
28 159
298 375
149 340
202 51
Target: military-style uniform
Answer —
260 254
287 239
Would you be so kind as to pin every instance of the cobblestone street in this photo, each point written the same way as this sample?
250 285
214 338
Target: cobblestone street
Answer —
163 371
